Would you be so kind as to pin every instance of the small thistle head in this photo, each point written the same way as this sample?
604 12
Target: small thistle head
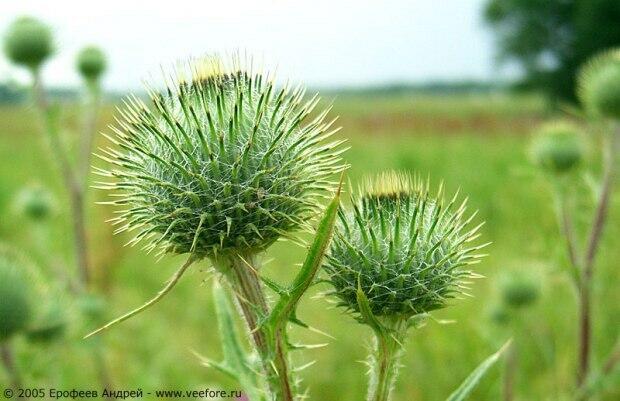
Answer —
558 147
91 63
16 307
35 202
405 249
519 290
599 85
223 161
28 42
50 321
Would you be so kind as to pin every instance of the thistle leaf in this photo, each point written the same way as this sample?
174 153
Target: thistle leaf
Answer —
285 308
236 360
366 312
472 380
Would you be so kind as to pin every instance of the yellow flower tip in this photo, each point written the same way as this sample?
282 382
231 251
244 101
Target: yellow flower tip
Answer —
390 184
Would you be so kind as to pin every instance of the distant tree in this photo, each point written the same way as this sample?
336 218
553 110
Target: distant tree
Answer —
552 38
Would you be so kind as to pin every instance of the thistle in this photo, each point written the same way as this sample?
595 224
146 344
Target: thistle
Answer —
220 166
599 85
28 42
91 63
557 147
35 202
397 255
519 290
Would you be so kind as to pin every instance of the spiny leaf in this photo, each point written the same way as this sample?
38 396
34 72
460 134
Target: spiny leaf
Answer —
236 360
162 293
366 311
285 308
472 380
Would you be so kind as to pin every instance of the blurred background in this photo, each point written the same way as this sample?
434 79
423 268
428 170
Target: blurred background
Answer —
451 89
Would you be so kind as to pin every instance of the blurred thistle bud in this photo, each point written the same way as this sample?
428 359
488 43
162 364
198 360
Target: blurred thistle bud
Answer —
16 294
558 147
28 42
221 162
519 290
599 85
50 321
499 315
404 249
35 202
91 63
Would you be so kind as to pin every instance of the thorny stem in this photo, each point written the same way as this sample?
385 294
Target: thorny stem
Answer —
612 361
585 287
567 228
384 366
72 183
75 185
90 127
242 274
8 360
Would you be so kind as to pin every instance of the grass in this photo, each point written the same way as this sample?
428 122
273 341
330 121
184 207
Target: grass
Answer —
477 144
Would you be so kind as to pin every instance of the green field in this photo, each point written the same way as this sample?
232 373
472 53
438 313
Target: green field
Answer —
478 144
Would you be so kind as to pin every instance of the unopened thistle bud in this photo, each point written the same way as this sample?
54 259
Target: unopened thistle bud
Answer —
91 63
221 161
599 85
405 249
16 294
50 321
28 42
519 290
35 202
558 147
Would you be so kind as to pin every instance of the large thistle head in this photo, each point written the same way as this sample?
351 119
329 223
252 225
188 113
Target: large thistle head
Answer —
407 251
221 161
28 42
599 85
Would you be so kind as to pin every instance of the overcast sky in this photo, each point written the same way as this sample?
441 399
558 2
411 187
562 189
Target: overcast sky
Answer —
319 42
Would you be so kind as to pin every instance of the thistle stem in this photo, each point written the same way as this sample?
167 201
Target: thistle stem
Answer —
243 277
585 287
90 126
384 367
72 184
8 360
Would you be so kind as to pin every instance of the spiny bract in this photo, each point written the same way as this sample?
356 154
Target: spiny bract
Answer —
28 42
91 63
599 85
16 295
405 249
220 162
558 146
